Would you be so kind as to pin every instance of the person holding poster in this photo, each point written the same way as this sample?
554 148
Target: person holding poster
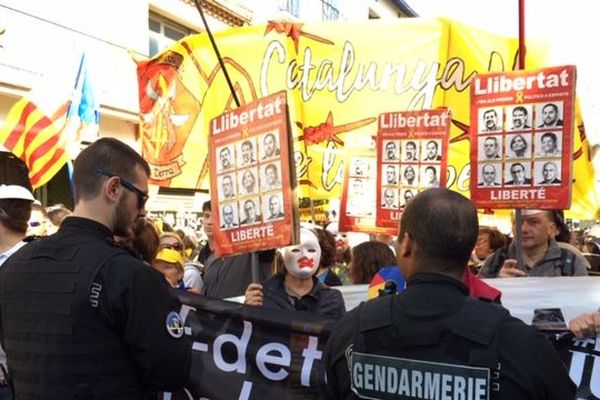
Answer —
489 175
432 331
541 253
550 116
295 287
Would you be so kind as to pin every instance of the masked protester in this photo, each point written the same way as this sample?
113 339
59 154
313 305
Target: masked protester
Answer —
295 287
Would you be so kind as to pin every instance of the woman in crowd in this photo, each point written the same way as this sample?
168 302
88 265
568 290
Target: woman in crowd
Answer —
192 276
328 252
295 287
367 259
488 241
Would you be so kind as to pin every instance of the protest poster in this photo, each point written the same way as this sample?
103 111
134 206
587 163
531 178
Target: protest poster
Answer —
412 153
253 178
521 144
358 209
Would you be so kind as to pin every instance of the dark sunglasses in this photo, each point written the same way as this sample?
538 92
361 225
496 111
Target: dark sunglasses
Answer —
141 195
176 246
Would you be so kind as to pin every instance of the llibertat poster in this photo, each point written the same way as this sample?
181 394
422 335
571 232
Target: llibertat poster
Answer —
521 144
358 207
412 153
252 204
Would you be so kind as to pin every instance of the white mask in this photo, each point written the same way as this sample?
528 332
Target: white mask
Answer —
302 260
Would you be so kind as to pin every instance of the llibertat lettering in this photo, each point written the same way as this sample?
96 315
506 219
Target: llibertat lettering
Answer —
397 120
258 232
375 376
502 83
234 119
518 194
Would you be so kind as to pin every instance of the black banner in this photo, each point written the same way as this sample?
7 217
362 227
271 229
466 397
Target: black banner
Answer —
244 352
251 353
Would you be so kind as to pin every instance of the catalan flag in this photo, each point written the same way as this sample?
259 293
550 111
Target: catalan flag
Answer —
40 126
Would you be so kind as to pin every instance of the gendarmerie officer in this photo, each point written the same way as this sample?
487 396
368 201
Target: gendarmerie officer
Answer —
432 341
81 317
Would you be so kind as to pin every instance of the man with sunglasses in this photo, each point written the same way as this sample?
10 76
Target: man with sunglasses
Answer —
97 320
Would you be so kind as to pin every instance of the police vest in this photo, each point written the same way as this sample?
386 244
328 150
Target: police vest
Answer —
459 364
57 345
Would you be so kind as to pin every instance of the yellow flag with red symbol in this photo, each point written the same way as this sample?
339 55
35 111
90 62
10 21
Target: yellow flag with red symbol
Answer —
338 80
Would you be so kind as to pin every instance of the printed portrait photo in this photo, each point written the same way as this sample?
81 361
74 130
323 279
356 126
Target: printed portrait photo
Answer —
518 118
225 158
246 150
547 172
273 206
248 181
490 120
490 148
269 146
518 145
549 115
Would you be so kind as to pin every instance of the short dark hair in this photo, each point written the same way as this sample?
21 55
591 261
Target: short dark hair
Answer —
522 109
206 206
15 214
554 106
368 258
448 246
107 153
551 135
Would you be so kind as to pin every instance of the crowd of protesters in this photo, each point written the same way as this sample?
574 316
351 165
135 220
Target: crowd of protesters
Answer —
298 277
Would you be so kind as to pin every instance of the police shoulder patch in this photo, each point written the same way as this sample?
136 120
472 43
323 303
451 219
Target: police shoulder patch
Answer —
174 325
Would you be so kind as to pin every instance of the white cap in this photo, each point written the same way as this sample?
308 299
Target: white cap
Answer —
15 192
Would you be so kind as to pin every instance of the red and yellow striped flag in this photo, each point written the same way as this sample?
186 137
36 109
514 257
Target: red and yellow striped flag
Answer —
39 128
33 134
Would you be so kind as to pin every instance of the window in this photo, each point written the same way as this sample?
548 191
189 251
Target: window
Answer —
291 6
162 33
331 11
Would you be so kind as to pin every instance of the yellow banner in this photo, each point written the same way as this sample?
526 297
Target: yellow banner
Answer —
338 81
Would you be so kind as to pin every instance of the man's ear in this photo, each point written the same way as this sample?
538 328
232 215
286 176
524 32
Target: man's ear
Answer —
112 188
405 245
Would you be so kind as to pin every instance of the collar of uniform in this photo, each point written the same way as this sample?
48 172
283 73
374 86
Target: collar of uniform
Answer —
431 278
89 226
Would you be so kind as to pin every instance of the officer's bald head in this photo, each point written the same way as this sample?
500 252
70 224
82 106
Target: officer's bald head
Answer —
444 226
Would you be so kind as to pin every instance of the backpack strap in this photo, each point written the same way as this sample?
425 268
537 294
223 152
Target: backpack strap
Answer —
566 262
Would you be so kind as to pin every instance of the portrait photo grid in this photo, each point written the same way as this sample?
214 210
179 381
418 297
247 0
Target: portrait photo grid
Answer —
249 181
361 187
408 167
520 145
